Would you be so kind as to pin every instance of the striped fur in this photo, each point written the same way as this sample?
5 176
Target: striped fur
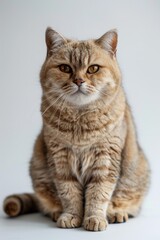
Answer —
87 166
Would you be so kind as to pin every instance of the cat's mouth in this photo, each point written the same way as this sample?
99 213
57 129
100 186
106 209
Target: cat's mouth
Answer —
79 91
82 96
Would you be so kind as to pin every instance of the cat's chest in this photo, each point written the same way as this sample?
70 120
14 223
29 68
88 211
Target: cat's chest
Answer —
82 163
80 129
86 158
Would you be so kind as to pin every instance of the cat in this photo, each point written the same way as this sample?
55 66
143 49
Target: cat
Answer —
87 167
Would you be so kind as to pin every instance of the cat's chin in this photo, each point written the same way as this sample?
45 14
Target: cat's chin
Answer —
81 99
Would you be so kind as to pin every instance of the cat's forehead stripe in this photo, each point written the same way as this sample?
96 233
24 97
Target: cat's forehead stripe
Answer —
79 54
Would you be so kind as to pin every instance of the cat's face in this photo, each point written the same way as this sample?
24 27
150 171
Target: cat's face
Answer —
80 72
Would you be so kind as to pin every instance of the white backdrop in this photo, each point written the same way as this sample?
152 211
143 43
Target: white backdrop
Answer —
22 51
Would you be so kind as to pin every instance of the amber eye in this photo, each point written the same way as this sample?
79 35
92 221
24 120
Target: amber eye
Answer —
65 68
93 69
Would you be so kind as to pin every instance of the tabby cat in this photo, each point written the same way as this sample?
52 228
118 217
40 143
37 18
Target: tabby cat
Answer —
87 167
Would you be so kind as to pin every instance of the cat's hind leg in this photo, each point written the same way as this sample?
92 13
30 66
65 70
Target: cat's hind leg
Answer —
130 191
45 190
49 203
120 209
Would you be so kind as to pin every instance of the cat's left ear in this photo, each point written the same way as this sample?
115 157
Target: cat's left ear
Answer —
109 41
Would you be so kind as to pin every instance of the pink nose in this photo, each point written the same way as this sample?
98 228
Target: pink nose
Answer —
78 81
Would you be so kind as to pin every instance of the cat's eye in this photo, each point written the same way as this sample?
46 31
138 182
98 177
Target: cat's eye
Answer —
65 68
93 69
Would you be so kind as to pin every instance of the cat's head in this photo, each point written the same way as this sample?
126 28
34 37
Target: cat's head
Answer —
80 72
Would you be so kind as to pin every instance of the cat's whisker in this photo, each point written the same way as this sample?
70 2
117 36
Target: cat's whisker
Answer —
50 95
58 106
70 92
51 98
102 92
66 87
90 89
52 104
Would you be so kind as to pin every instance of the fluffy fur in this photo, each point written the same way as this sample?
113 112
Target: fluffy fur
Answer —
87 166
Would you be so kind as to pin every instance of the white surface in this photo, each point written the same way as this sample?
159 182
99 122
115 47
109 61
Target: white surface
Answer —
22 51
37 227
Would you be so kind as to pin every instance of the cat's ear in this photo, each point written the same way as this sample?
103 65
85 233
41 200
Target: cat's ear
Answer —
109 41
54 39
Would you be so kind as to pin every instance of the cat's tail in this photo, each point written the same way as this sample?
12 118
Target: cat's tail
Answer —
18 204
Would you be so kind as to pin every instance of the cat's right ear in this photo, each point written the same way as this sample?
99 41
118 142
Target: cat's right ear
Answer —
54 39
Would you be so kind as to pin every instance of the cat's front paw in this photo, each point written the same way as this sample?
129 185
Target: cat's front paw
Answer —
67 220
95 223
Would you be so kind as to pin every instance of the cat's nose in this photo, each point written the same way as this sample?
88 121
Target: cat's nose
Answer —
78 81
